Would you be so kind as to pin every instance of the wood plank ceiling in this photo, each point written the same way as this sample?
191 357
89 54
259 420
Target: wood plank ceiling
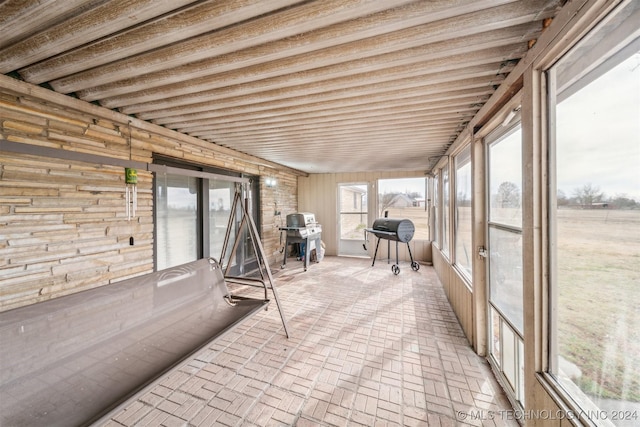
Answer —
319 86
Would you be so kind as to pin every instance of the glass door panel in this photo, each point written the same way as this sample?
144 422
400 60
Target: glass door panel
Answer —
177 220
504 237
220 198
505 275
353 219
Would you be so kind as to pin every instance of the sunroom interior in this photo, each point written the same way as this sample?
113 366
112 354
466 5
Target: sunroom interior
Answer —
506 131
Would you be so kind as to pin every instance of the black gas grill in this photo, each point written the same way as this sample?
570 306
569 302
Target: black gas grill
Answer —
398 230
302 228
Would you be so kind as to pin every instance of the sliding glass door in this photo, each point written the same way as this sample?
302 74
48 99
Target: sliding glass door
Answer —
192 212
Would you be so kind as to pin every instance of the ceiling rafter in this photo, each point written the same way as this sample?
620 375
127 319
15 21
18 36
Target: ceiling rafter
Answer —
315 85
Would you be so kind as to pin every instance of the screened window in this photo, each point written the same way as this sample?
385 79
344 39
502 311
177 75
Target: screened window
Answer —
462 220
405 198
595 221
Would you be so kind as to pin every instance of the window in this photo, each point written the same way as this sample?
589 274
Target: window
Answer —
462 220
445 210
595 220
436 210
405 198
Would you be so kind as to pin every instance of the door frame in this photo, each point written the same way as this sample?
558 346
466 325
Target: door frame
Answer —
352 247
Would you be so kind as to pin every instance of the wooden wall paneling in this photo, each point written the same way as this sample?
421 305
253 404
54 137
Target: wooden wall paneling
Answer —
63 216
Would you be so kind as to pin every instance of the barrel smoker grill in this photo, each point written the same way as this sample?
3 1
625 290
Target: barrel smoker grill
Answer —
398 230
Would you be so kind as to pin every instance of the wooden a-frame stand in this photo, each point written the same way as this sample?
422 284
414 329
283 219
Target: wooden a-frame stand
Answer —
263 264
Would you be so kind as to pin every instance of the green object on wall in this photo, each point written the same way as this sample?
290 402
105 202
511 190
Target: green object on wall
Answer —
130 176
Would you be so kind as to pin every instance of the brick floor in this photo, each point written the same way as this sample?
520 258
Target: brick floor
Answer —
367 348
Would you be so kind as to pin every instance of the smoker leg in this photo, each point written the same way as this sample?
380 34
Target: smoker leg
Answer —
376 252
397 257
388 251
395 268
415 266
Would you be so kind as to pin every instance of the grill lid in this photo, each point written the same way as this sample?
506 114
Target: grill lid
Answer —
401 230
301 219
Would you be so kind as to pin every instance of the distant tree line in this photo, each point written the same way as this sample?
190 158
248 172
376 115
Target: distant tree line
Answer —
590 196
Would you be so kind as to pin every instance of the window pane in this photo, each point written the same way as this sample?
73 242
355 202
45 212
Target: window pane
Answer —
220 198
596 352
509 358
505 179
520 394
462 232
177 219
353 211
495 336
405 198
445 210
505 274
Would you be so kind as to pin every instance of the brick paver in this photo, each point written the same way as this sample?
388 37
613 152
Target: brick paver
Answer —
367 348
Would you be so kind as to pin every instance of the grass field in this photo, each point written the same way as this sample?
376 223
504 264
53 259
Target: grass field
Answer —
599 299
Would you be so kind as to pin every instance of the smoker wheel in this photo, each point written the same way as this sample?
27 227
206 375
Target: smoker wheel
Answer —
415 266
395 269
